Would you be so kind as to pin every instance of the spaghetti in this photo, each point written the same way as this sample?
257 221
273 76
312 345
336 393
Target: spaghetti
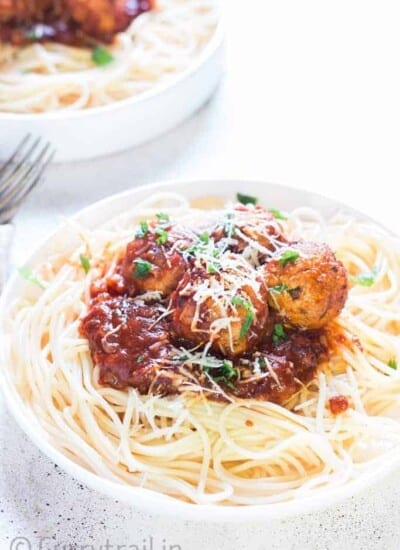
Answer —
240 451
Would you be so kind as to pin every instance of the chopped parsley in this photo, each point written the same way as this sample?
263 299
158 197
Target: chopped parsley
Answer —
162 235
192 250
392 363
248 321
226 373
288 256
85 263
162 217
246 199
277 214
212 268
140 359
205 246
239 301
101 56
204 237
27 274
278 289
142 269
143 229
365 279
279 334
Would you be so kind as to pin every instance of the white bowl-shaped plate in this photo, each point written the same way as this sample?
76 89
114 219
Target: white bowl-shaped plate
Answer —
278 196
89 133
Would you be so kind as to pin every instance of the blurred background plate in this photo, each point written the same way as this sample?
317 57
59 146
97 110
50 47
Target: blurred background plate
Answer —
99 131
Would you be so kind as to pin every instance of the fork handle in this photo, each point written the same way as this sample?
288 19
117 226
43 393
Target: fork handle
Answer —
6 237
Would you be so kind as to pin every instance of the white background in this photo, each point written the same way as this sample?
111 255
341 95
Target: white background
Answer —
310 98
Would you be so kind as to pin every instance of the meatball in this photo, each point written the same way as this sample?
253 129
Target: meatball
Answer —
24 11
67 21
307 285
154 261
95 17
224 305
103 18
251 231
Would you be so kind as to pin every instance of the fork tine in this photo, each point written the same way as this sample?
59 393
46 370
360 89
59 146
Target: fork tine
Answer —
39 176
16 153
7 213
24 182
34 175
10 178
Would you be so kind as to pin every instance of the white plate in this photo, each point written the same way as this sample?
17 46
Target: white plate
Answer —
275 195
89 133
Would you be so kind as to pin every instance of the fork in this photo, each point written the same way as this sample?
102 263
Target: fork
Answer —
20 174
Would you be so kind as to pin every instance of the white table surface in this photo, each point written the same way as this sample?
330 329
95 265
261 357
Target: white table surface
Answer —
311 99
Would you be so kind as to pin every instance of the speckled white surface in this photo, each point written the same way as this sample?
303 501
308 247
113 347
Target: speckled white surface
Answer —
310 99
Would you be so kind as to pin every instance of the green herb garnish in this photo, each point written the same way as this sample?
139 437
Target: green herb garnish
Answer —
226 373
288 256
277 214
279 334
365 279
246 199
85 263
204 237
392 363
239 301
162 217
140 359
101 56
278 289
27 274
143 229
162 235
212 268
142 269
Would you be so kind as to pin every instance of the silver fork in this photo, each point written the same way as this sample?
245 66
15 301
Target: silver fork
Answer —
20 174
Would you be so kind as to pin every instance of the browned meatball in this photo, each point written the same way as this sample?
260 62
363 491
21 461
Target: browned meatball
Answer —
95 17
24 11
307 284
75 22
227 307
103 18
154 262
251 231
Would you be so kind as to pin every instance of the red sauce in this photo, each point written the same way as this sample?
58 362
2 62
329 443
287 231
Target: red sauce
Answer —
338 404
134 341
132 344
72 22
